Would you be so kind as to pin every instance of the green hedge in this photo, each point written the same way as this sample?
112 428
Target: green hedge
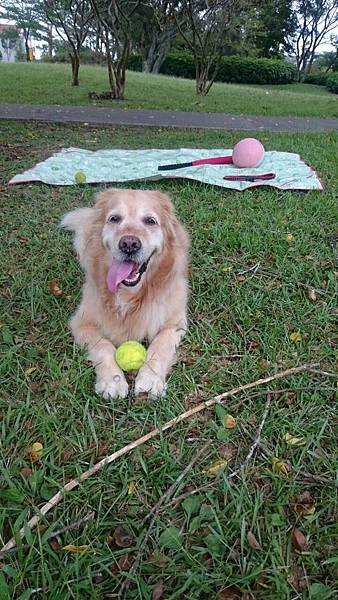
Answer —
332 83
317 78
87 57
233 69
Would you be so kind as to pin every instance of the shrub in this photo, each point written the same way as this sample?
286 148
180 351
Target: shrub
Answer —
87 57
332 83
179 64
318 78
135 62
238 69
233 69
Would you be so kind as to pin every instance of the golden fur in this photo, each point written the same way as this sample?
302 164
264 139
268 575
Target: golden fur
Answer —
153 310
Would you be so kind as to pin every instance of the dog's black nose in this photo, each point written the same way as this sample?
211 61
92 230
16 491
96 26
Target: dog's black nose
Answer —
129 244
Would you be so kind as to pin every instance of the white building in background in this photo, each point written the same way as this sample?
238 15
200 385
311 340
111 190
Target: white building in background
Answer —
11 54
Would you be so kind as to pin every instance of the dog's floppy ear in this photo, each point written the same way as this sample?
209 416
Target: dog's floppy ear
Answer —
168 217
81 221
105 197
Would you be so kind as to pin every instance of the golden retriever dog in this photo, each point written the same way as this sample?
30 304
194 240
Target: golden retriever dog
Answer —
134 253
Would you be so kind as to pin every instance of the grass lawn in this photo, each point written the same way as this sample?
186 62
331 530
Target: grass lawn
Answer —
241 328
50 84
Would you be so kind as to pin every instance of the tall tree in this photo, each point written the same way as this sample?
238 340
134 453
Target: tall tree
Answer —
154 28
71 20
208 24
115 20
279 22
315 20
24 15
9 38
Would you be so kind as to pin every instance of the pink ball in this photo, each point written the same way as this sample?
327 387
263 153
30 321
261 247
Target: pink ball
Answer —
248 153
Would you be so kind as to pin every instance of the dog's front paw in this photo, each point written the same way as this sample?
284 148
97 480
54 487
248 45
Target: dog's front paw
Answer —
147 381
112 386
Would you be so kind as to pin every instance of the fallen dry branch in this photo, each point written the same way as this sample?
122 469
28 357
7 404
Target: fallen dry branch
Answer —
145 438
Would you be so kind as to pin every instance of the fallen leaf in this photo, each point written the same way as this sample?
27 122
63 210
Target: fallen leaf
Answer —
295 336
305 497
298 540
26 472
252 541
227 452
36 451
54 288
312 294
293 441
132 487
298 579
76 549
34 386
30 370
101 449
280 466
230 593
252 345
123 564
230 422
54 544
158 591
290 237
123 538
303 505
66 454
215 468
309 511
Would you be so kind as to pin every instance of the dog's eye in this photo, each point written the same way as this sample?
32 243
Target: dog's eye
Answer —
150 221
114 219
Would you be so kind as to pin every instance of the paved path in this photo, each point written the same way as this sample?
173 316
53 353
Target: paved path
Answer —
91 115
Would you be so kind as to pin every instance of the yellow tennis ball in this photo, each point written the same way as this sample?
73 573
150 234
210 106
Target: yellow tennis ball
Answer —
130 356
80 177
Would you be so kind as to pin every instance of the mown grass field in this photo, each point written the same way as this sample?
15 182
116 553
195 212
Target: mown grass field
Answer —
241 328
50 84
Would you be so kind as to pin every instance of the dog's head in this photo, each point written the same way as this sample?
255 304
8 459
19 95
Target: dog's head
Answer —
136 228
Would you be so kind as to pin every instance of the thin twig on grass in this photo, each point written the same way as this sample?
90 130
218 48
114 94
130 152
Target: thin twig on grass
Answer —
257 437
324 373
249 269
145 438
304 474
89 517
255 443
154 512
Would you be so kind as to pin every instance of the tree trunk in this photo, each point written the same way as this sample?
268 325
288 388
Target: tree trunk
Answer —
146 68
50 41
28 58
154 56
201 79
75 60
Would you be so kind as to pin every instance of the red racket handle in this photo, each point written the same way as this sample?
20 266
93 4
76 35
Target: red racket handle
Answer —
217 160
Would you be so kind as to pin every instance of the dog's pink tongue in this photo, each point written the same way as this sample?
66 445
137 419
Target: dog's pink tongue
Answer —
118 271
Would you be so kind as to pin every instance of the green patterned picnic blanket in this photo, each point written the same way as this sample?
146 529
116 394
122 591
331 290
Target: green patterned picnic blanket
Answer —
72 166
